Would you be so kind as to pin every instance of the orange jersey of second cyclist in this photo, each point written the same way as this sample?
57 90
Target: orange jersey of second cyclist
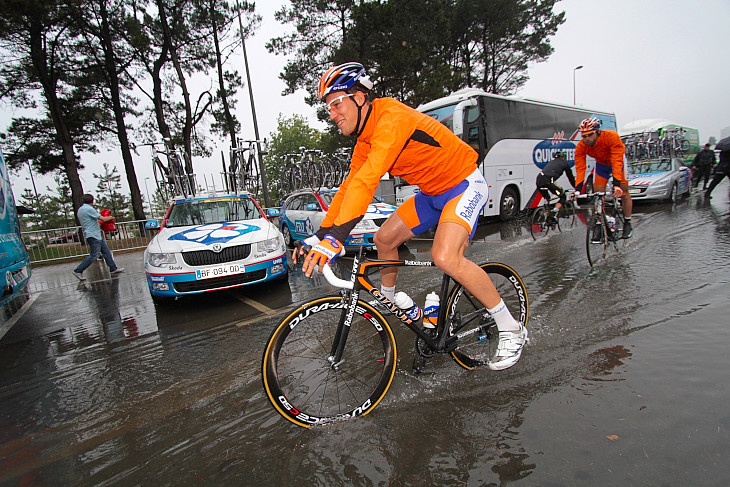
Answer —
403 142
608 150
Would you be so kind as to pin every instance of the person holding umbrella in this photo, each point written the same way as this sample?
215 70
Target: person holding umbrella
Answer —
723 167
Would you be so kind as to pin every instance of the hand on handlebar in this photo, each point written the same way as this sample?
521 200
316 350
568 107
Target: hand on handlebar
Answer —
323 253
617 192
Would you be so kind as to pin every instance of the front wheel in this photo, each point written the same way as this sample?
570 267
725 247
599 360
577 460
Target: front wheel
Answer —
596 240
509 204
470 320
304 385
288 240
567 211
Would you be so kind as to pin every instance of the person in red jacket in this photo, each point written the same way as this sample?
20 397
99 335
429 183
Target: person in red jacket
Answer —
109 226
606 148
394 138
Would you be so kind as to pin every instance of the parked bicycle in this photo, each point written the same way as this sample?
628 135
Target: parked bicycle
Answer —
605 226
334 358
544 220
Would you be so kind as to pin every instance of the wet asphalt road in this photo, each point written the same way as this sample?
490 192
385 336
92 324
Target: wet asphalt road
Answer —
624 382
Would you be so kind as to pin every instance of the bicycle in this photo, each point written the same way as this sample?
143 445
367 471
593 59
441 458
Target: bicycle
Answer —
243 174
175 178
334 358
540 222
605 226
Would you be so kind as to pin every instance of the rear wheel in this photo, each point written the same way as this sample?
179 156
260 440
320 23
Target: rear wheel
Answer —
469 319
299 378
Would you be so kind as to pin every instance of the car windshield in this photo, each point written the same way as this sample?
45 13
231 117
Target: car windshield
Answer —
327 198
644 167
214 210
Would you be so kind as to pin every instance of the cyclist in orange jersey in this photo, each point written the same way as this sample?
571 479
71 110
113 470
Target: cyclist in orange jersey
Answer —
394 138
606 148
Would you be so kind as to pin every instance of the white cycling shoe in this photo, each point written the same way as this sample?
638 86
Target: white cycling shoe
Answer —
509 349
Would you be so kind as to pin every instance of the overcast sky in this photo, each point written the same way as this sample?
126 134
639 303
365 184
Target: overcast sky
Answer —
641 59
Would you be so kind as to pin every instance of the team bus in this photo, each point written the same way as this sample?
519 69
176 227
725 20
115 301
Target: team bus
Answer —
14 258
515 138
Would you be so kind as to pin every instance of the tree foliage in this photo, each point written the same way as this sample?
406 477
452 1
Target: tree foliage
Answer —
418 50
82 64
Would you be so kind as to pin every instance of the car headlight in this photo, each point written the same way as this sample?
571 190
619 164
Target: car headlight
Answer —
364 225
158 260
269 245
662 184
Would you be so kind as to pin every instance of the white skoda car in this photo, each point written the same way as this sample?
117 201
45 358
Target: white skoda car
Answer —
213 242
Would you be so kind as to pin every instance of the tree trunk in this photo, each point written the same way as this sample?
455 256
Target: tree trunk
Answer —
63 136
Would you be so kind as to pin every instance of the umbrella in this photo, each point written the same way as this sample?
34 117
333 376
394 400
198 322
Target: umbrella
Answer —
724 144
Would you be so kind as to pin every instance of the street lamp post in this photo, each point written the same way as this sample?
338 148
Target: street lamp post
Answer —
574 70
149 201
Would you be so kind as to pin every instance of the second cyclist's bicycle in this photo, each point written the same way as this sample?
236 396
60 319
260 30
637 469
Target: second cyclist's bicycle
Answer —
334 358
544 221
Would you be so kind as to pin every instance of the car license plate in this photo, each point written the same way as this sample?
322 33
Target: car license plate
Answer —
220 271
19 275
634 191
357 241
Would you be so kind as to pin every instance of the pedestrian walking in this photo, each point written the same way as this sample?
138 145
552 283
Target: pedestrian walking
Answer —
722 170
703 162
89 219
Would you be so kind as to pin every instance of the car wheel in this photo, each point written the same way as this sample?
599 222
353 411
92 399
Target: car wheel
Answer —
508 205
288 241
674 194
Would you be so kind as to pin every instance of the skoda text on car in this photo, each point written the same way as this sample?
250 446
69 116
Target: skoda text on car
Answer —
302 214
658 179
213 242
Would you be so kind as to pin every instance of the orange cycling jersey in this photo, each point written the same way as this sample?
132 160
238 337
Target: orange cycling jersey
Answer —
608 150
403 142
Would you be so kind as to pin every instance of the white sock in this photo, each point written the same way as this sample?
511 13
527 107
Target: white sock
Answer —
503 318
388 292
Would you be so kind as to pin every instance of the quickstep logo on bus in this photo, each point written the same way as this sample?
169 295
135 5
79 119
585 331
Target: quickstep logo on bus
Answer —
545 150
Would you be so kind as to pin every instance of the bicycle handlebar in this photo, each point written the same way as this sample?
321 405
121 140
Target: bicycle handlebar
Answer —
329 274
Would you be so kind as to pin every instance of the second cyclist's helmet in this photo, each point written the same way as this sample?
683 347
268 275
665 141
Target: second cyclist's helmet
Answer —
589 125
560 154
344 77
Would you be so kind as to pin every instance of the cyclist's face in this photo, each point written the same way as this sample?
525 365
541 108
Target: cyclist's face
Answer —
343 110
590 140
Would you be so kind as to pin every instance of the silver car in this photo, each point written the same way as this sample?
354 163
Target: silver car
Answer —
659 179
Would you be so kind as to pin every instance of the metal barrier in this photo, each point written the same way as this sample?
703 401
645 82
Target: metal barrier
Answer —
59 244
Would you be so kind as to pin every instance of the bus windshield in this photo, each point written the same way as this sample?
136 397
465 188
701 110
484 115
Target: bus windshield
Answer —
445 115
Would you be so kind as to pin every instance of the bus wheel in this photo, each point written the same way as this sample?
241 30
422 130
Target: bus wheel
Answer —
508 205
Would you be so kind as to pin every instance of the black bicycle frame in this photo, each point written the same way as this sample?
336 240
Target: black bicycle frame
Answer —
362 282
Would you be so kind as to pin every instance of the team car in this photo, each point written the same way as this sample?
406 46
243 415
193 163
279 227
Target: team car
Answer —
213 242
302 214
659 179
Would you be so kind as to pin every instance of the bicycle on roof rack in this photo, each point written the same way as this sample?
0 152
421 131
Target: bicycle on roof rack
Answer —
173 177
243 173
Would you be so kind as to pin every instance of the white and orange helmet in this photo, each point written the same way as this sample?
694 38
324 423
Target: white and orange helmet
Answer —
344 77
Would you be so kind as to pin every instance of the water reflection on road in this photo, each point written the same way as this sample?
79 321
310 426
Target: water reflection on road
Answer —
619 384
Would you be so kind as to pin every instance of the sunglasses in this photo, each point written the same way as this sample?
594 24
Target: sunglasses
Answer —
335 103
